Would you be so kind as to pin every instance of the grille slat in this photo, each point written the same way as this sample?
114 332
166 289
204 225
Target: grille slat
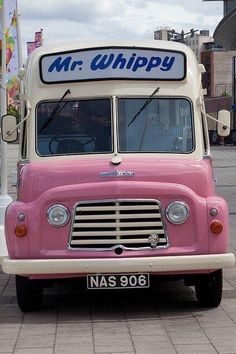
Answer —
116 208
112 242
128 223
117 232
121 216
117 224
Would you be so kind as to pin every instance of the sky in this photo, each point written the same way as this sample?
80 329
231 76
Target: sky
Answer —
71 20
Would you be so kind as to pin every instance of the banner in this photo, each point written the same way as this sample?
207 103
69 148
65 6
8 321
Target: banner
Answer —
38 37
30 47
38 41
12 50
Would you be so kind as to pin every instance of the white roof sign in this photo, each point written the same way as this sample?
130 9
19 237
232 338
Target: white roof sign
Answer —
113 63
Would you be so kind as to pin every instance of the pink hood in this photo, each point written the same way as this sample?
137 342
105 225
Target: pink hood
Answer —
39 177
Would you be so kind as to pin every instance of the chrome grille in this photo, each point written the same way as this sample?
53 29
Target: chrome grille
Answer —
107 224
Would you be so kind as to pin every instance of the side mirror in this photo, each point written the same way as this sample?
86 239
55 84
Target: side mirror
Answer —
223 125
8 128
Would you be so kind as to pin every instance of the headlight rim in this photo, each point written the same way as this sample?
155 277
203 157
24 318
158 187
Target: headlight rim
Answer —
182 203
56 206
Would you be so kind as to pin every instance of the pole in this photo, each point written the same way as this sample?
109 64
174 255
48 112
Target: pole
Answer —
20 61
5 199
19 48
234 92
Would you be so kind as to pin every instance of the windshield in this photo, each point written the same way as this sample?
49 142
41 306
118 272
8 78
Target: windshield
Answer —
165 125
78 127
85 126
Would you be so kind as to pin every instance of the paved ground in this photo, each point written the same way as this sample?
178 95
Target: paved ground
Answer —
163 320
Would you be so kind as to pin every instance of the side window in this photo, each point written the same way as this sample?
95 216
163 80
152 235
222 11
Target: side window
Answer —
205 133
24 142
24 139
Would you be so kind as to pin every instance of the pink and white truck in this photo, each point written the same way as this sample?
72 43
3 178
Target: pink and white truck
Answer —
115 179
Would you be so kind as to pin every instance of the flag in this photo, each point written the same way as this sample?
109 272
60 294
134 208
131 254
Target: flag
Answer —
38 41
38 38
12 48
14 19
30 47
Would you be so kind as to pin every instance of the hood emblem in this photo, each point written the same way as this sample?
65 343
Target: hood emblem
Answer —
154 240
117 174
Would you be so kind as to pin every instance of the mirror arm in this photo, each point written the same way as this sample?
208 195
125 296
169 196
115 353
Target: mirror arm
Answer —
214 119
22 121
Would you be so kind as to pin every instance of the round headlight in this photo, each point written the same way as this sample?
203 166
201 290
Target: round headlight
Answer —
58 215
177 212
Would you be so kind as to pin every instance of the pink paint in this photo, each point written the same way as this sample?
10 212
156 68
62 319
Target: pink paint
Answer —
43 184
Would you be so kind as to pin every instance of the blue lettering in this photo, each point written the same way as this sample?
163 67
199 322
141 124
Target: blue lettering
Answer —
139 63
119 61
101 62
104 61
60 65
153 63
75 63
167 63
130 62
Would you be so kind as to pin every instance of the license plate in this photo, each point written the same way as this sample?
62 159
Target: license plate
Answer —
117 281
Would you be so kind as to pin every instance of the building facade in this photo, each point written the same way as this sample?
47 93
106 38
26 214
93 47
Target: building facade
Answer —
218 64
229 5
163 33
217 61
224 33
197 42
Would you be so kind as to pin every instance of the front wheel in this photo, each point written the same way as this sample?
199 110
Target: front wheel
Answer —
29 294
209 289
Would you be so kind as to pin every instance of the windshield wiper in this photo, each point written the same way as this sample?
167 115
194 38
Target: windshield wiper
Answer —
57 109
146 103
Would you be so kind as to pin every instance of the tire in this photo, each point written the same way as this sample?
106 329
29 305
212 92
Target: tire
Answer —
29 294
209 289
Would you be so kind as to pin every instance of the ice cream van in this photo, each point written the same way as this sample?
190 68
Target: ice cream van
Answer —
115 180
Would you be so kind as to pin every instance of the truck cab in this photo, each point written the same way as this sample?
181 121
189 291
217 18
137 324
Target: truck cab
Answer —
115 180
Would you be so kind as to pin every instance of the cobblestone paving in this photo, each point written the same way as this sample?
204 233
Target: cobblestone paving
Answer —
165 319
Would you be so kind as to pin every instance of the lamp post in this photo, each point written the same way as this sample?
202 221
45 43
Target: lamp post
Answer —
183 34
5 199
